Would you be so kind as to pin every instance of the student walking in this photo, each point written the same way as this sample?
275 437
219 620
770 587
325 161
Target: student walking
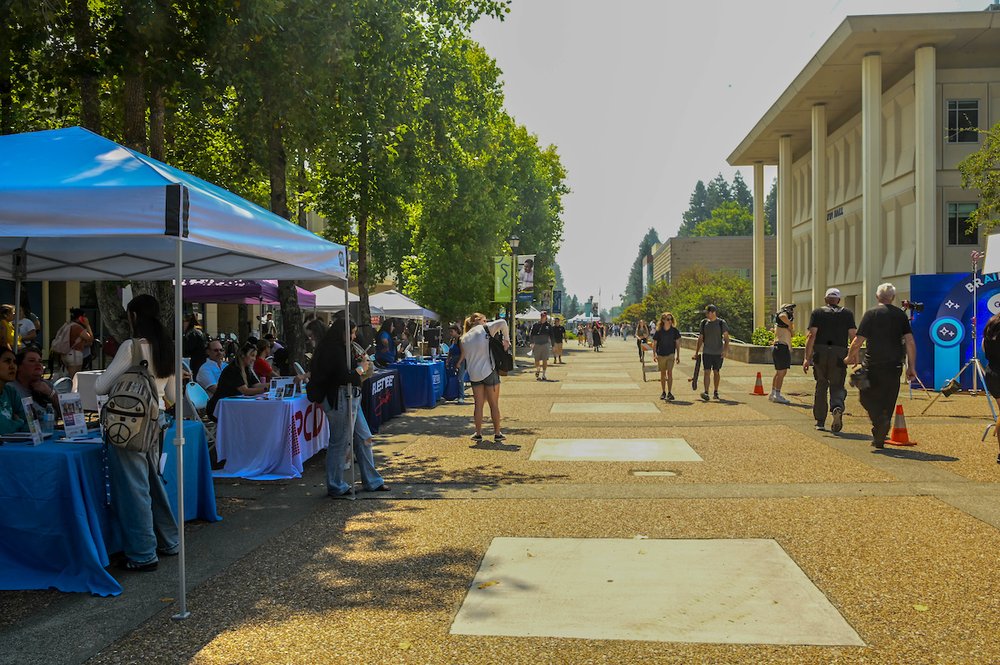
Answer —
540 338
713 338
475 344
666 353
831 330
641 338
558 337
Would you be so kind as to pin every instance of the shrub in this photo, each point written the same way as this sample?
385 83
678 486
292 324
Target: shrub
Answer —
798 340
762 337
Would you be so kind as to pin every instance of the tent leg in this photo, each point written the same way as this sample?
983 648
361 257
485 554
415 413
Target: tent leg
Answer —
179 432
350 388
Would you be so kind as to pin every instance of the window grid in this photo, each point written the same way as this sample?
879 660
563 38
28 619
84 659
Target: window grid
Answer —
963 121
958 215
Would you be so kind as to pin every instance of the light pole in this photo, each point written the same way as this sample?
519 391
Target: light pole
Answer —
514 242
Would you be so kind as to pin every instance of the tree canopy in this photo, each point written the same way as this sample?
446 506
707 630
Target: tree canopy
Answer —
633 290
981 171
383 116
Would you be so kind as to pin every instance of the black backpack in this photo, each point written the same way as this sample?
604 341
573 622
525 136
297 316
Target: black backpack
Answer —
503 361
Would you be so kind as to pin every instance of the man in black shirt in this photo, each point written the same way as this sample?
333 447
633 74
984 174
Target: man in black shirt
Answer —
831 330
558 337
540 338
887 331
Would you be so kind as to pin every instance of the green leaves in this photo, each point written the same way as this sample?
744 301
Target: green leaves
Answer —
981 170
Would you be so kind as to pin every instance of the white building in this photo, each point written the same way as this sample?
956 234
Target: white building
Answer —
867 139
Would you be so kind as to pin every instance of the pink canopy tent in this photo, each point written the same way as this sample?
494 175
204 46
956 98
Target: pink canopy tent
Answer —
239 292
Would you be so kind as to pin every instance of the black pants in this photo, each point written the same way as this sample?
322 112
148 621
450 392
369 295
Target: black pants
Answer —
830 373
880 399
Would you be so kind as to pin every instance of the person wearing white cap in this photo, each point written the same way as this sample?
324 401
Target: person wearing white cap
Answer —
831 331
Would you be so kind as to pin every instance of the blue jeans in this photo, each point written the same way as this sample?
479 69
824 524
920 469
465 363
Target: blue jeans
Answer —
340 435
370 478
140 505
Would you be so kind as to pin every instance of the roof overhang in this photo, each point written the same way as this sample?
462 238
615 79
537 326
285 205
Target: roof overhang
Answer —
833 76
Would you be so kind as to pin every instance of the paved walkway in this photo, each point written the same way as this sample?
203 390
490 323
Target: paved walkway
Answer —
728 531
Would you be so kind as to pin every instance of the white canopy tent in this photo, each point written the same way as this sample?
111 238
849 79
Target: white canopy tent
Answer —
331 299
76 206
582 318
394 303
531 314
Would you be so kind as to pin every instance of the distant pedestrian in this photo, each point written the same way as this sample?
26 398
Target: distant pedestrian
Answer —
558 337
666 353
831 331
886 329
598 335
194 343
713 343
642 339
781 350
455 386
540 338
475 343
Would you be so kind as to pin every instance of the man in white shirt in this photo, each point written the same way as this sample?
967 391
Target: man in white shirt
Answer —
208 374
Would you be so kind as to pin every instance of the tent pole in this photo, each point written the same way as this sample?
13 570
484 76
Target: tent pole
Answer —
179 429
20 275
350 357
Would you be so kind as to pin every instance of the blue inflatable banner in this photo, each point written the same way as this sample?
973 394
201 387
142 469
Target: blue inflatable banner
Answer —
943 331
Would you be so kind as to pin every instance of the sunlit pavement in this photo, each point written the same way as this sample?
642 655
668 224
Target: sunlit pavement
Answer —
727 531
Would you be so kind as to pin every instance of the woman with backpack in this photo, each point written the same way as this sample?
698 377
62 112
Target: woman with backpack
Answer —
485 380
139 499
73 340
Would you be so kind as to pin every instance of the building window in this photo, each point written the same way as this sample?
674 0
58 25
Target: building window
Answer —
963 121
958 215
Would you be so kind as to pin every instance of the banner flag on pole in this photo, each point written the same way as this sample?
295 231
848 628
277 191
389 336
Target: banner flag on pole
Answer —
525 277
502 279
557 302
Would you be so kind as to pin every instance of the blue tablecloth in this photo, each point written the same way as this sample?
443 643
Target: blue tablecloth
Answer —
55 527
381 397
423 381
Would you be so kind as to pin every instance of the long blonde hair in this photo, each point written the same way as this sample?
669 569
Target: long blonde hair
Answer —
470 321
663 317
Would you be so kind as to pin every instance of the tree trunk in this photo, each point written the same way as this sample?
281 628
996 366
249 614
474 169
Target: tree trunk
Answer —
135 93
277 169
156 122
83 34
364 307
109 301
6 88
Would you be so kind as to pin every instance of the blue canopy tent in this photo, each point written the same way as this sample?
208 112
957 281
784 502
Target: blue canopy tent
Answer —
77 206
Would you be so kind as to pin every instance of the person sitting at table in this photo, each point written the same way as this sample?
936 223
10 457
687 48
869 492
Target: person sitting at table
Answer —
385 352
30 383
11 410
238 379
405 349
211 369
139 498
261 367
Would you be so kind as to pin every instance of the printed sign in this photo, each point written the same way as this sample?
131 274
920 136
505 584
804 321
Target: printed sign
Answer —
502 279
525 277
74 420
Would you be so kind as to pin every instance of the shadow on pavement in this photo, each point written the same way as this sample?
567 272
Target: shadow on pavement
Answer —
915 455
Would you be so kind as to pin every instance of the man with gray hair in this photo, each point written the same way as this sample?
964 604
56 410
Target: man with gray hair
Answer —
886 329
831 331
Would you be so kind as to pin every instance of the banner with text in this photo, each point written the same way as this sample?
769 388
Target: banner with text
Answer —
525 277
502 279
557 302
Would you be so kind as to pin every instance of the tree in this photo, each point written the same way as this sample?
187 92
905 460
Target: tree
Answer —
771 209
698 210
981 171
633 289
741 193
728 219
688 294
717 193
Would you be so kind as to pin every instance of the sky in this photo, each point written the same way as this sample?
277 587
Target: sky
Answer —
643 98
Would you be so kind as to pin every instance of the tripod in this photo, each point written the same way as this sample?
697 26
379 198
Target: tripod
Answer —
978 374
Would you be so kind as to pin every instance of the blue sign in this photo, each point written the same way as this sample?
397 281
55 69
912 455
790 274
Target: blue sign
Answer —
943 331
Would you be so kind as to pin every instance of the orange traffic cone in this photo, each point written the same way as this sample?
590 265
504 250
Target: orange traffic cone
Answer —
758 388
899 436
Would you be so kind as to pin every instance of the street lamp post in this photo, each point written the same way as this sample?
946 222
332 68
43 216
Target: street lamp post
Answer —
514 243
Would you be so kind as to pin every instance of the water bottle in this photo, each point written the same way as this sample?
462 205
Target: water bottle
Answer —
48 420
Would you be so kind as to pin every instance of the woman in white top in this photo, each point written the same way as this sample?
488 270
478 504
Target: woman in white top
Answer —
139 499
479 364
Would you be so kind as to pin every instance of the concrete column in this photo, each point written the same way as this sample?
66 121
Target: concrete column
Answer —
927 229
211 322
818 204
759 271
783 241
871 177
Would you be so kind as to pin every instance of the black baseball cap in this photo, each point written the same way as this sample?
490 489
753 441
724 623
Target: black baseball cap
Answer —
711 308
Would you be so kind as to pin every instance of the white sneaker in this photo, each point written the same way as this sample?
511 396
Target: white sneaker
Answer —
780 399
770 398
